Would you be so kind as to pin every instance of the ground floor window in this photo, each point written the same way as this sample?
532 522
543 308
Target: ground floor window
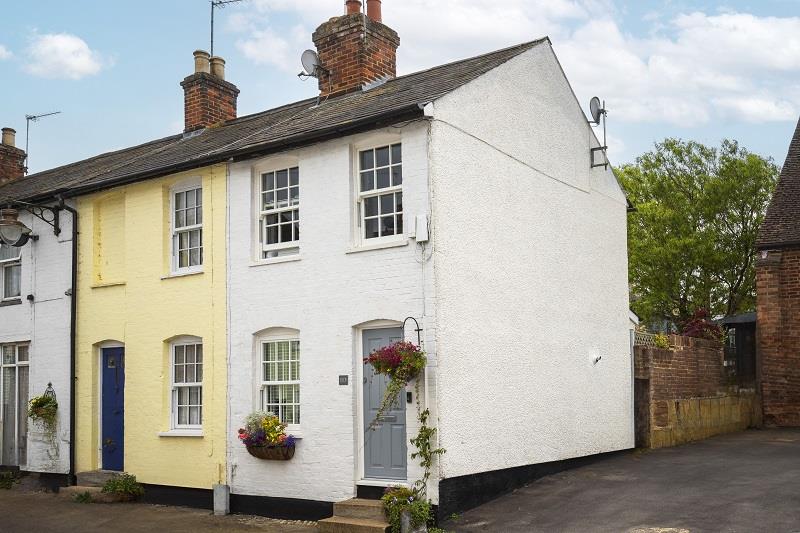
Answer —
187 384
280 379
14 393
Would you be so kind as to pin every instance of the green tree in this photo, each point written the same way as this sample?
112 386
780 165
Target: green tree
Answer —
691 239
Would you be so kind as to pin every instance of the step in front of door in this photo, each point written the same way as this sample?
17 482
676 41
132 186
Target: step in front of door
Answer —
360 508
341 524
95 478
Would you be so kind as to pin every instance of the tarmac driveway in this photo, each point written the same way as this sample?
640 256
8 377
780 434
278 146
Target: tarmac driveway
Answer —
744 482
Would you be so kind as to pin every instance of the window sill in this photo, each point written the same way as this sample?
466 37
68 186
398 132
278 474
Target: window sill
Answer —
6 303
276 260
182 274
377 246
107 284
181 433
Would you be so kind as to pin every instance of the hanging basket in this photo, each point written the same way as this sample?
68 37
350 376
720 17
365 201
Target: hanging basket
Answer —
272 453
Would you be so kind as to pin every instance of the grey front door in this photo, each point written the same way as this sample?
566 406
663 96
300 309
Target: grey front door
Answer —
385 444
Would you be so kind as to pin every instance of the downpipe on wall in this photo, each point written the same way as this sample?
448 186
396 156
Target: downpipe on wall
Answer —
72 337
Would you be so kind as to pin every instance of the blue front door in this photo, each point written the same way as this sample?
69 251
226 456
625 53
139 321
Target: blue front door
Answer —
113 414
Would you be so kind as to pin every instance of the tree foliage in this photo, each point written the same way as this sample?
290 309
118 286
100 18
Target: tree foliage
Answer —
691 239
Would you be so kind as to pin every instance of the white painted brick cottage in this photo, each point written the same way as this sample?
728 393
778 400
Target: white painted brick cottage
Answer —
476 211
35 288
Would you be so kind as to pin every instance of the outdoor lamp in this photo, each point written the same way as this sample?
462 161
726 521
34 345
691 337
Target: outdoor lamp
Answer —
12 231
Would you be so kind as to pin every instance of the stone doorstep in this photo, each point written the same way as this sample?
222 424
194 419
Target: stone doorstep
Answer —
338 524
95 478
360 508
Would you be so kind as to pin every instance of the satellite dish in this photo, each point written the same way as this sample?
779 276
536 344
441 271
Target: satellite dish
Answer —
310 61
596 109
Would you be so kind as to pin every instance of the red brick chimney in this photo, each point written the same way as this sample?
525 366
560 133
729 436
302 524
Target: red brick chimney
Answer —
12 159
355 50
207 98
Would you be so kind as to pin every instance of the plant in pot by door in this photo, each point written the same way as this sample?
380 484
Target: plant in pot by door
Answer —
265 437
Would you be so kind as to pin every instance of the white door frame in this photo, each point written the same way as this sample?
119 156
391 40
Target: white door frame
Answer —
359 390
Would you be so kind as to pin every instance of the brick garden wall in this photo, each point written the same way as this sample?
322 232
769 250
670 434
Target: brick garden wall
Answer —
778 336
682 394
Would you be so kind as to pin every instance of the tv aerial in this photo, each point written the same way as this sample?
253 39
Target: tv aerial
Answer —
218 4
28 120
312 66
598 112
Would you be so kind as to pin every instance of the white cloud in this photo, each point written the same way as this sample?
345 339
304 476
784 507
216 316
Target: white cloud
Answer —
62 55
686 70
5 53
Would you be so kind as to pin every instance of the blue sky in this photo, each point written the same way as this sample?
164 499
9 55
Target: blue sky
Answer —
691 69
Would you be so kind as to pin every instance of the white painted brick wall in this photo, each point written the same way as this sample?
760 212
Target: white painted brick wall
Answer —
324 295
531 275
46 271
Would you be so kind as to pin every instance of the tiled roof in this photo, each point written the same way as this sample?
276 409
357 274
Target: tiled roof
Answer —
781 226
291 125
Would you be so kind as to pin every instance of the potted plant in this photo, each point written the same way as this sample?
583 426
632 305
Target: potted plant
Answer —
43 409
401 361
265 437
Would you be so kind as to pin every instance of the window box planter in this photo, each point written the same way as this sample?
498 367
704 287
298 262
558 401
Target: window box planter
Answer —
272 453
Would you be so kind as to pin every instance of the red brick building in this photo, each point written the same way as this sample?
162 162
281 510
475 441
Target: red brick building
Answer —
778 287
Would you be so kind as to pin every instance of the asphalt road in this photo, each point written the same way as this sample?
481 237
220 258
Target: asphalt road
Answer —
744 482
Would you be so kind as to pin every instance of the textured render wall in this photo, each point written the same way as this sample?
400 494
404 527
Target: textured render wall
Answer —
531 276
143 310
324 294
46 268
684 394
778 335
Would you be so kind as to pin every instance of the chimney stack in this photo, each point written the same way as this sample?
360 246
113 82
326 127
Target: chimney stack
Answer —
355 50
208 98
12 159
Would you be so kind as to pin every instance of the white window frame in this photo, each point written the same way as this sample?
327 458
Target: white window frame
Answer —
4 367
183 187
5 265
261 342
174 387
361 197
290 247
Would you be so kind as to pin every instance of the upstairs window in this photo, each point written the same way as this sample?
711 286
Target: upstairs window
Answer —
10 272
187 384
187 224
279 216
380 194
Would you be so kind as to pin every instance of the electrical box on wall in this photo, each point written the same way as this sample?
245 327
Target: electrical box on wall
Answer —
421 228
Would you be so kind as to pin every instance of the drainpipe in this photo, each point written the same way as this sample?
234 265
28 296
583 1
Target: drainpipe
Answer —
72 336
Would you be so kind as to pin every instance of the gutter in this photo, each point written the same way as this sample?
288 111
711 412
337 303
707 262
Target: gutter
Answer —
72 337
777 245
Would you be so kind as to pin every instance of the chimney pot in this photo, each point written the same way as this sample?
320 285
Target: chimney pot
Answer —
201 61
9 136
353 6
218 67
374 10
